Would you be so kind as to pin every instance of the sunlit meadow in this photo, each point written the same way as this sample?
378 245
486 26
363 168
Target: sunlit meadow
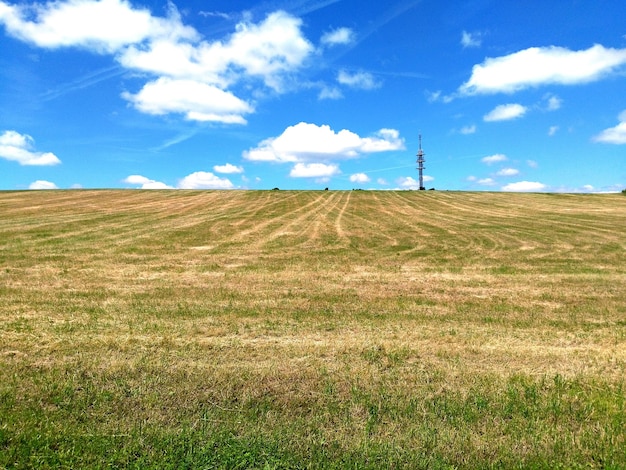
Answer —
312 329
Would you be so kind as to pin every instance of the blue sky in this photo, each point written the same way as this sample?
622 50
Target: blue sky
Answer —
308 94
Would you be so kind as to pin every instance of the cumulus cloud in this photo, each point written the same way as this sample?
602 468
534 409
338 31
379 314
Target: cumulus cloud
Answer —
361 80
42 184
228 169
614 135
197 101
313 170
408 182
145 183
470 40
359 178
340 36
505 112
19 148
522 186
197 180
486 182
267 50
204 180
498 157
508 172
186 73
537 66
306 142
105 26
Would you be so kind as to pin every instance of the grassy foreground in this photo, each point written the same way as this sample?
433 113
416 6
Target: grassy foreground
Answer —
229 329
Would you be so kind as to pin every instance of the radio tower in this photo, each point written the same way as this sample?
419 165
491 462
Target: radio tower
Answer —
420 164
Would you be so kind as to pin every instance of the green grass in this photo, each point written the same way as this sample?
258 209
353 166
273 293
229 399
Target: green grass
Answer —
228 329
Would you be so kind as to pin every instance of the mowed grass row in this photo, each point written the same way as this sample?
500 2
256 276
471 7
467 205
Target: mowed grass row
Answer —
278 329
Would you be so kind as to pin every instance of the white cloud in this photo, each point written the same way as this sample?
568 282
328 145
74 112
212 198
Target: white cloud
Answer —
486 182
521 186
409 182
433 96
359 178
18 147
361 80
498 157
340 36
505 112
204 180
306 142
508 172
553 102
197 180
268 51
191 76
104 26
42 184
228 169
197 101
614 135
313 170
382 181
470 40
215 14
538 66
553 130
145 183
532 163
136 179
467 130
330 93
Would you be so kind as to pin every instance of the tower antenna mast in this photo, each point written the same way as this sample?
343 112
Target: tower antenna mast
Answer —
420 164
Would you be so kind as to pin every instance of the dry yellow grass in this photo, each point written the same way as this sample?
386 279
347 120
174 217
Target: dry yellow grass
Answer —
232 298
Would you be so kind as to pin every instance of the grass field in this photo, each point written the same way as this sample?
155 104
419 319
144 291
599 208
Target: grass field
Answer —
278 329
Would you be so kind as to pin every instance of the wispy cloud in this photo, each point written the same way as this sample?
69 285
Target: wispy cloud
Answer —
552 102
330 93
471 39
362 80
467 130
508 172
491 159
340 36
182 137
614 135
505 112
215 14
85 81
